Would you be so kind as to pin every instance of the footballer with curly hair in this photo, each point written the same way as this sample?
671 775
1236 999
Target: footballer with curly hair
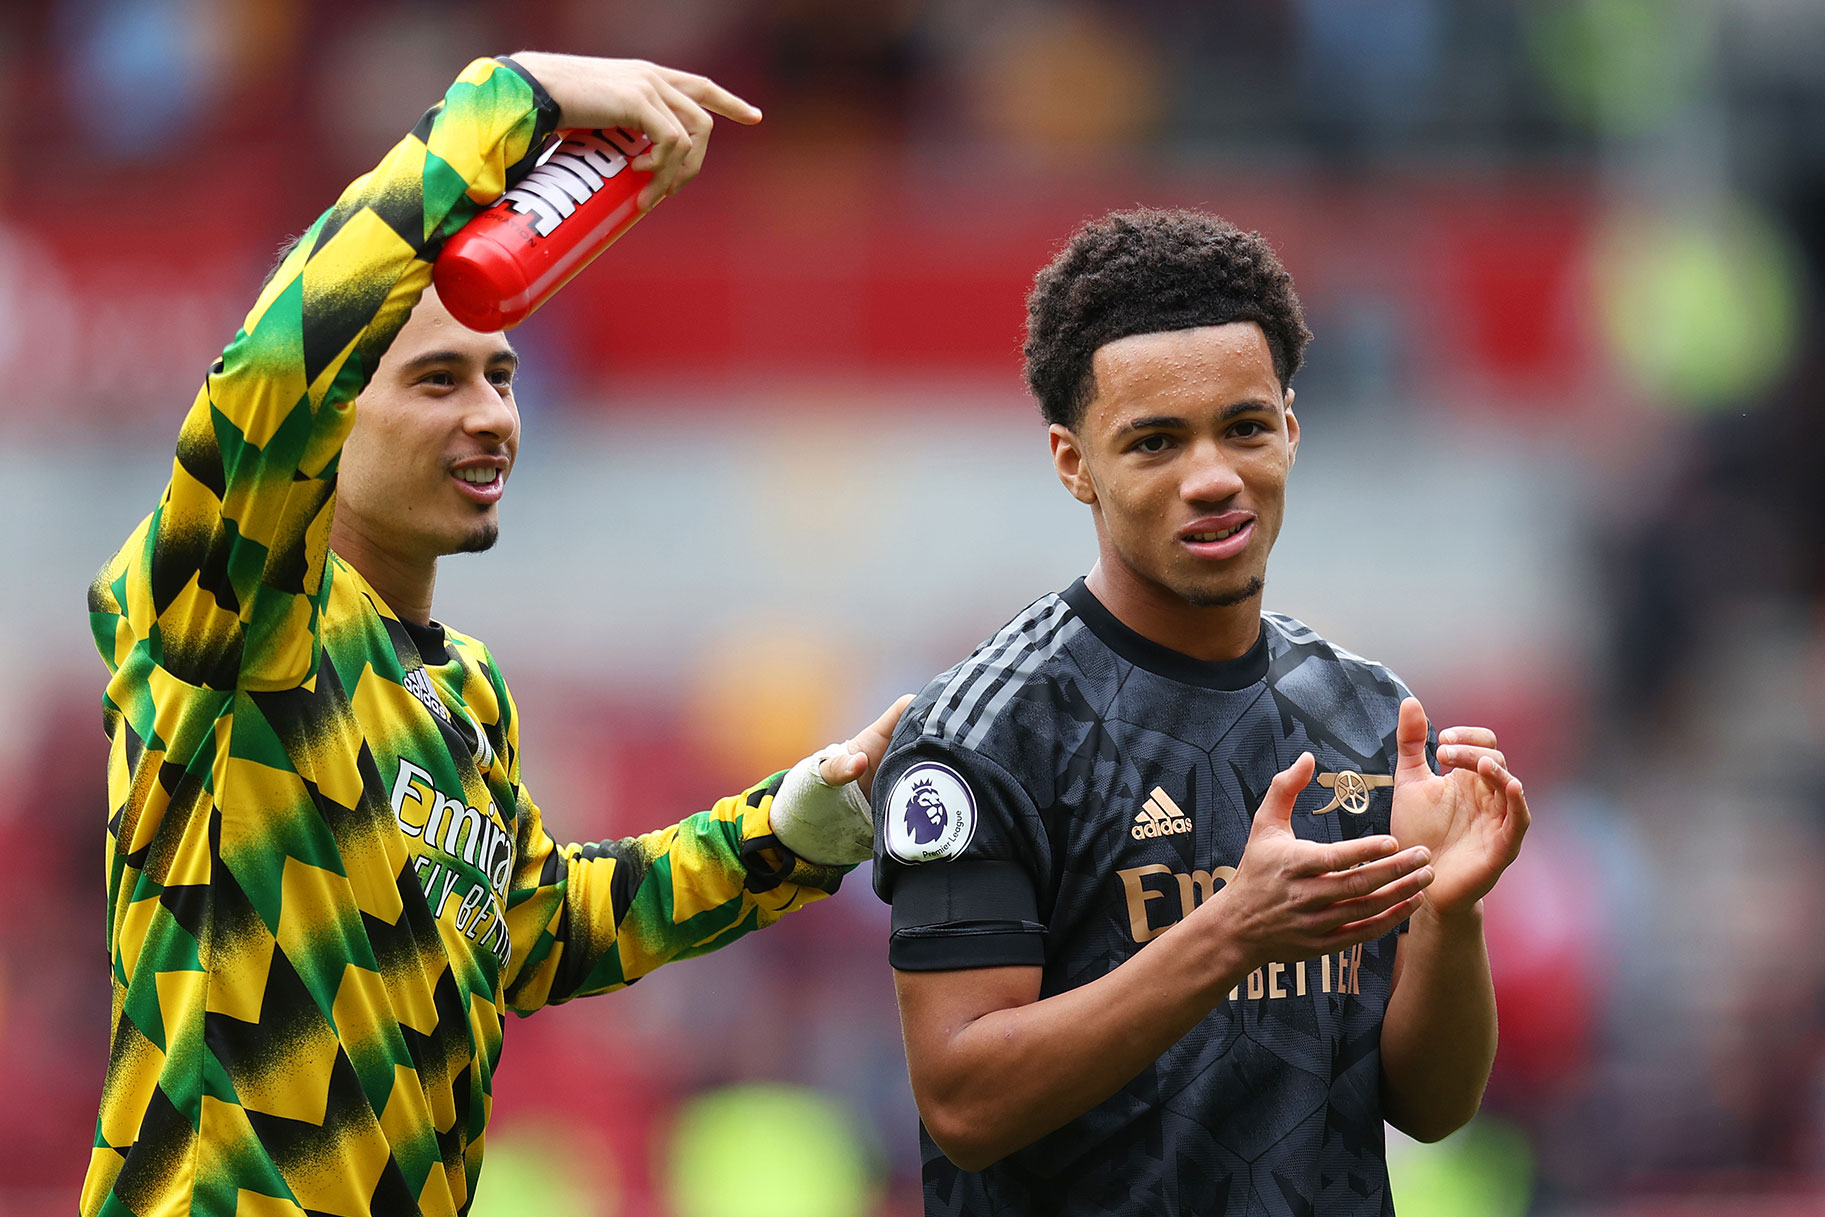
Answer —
1182 909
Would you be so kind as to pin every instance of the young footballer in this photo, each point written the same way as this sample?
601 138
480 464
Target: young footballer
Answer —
327 879
1151 850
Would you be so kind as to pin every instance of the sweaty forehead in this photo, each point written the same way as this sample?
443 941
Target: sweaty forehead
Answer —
1179 371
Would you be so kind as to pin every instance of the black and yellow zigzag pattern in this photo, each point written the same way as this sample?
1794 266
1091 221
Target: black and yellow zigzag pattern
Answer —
323 896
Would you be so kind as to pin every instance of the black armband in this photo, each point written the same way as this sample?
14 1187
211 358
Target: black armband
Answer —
978 913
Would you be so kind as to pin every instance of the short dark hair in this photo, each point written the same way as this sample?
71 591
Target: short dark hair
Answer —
1150 271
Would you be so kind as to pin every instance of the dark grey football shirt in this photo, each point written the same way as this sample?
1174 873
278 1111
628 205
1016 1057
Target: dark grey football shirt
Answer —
1067 793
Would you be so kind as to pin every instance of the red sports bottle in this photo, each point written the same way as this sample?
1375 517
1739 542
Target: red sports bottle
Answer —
511 258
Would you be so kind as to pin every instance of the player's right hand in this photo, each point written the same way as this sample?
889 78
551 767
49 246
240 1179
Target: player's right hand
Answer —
670 107
1292 899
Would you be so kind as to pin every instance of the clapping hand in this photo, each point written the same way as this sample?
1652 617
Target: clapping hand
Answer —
1471 815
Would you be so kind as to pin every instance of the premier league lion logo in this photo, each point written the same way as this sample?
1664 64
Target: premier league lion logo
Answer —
925 813
931 814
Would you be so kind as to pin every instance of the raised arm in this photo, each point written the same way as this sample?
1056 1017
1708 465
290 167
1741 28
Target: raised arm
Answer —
994 1067
221 586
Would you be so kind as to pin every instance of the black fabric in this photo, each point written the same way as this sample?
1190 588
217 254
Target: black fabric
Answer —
1144 652
980 914
967 944
1120 779
761 876
964 891
430 639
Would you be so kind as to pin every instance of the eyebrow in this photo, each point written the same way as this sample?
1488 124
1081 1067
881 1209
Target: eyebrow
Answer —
1228 412
510 357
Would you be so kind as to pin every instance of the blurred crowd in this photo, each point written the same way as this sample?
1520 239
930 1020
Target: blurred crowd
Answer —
1563 260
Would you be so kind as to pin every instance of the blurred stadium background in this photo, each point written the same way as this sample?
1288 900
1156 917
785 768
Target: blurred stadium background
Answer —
1563 411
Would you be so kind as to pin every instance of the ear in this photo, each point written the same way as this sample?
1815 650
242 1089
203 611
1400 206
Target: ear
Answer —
1068 463
1292 430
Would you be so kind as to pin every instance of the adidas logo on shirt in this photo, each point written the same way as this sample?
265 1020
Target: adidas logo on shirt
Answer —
420 686
1160 817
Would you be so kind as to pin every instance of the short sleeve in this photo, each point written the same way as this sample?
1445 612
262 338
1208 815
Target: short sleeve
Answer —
956 856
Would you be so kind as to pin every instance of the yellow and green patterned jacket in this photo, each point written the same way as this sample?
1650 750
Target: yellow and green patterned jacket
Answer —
326 881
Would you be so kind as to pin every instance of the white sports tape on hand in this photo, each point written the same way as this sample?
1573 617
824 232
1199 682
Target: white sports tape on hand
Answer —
821 823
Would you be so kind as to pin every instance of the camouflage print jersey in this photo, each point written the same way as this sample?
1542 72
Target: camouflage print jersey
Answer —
1067 794
326 881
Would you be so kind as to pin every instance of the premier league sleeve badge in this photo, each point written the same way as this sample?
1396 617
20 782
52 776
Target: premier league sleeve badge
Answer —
931 814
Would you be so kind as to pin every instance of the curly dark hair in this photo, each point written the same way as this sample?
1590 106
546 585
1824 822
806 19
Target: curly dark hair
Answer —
1149 271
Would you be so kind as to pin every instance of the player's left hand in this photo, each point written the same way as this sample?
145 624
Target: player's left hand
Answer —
821 811
1471 815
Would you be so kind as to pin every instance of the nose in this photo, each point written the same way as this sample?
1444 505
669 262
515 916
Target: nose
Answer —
488 414
1210 477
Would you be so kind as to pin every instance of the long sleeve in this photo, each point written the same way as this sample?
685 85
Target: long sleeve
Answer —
222 585
236 778
587 919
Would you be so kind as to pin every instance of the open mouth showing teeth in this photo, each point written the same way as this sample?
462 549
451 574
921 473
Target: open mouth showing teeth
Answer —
480 477
1216 536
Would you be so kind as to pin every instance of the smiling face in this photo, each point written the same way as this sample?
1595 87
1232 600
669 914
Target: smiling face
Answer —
1183 456
436 431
